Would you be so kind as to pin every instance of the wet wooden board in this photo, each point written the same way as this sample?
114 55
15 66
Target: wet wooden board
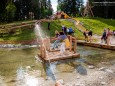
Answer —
104 46
56 56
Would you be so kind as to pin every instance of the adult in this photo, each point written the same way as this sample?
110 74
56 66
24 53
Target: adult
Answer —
114 33
85 33
90 33
108 36
65 42
48 25
104 36
65 30
55 44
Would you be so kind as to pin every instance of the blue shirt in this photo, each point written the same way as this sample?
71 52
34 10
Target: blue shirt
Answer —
62 37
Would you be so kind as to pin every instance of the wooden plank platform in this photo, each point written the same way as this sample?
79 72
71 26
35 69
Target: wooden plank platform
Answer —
104 46
56 56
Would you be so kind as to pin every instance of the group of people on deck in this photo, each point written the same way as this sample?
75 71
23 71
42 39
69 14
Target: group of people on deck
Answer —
106 36
61 37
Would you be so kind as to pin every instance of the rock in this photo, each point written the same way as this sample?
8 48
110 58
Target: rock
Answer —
109 71
74 71
78 85
100 77
78 77
32 46
28 67
102 69
91 67
32 65
61 81
103 83
48 78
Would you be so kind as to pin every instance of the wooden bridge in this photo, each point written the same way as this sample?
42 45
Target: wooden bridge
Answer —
46 53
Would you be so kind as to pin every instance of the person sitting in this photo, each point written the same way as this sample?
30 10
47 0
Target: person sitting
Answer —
55 44
65 42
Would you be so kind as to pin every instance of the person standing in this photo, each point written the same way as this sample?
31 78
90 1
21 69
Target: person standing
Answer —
90 33
114 33
65 30
108 36
85 33
104 36
48 25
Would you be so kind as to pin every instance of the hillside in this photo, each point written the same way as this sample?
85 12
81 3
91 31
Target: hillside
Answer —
97 24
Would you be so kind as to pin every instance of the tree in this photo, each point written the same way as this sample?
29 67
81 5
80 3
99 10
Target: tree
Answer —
71 7
10 10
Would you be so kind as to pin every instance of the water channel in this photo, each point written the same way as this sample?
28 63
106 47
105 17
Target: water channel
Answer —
18 67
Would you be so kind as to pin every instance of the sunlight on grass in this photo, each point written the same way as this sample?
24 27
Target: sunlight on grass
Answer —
97 24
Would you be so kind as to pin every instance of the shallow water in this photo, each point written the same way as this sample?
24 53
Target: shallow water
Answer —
18 67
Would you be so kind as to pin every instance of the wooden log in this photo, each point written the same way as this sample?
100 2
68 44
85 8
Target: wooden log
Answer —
70 44
48 43
75 45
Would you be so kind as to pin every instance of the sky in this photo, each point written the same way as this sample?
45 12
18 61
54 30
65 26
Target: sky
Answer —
54 4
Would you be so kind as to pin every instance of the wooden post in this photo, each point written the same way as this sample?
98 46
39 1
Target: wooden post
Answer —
40 48
70 44
75 44
48 43
45 43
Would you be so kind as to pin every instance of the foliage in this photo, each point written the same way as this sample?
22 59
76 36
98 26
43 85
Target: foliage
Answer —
24 9
71 7
11 9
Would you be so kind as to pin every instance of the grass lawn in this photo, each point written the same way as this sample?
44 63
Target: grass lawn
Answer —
19 35
97 24
57 25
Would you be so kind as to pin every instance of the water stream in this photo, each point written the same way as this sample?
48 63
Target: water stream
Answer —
18 67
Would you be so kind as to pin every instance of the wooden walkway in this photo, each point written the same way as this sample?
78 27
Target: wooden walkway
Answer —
98 45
